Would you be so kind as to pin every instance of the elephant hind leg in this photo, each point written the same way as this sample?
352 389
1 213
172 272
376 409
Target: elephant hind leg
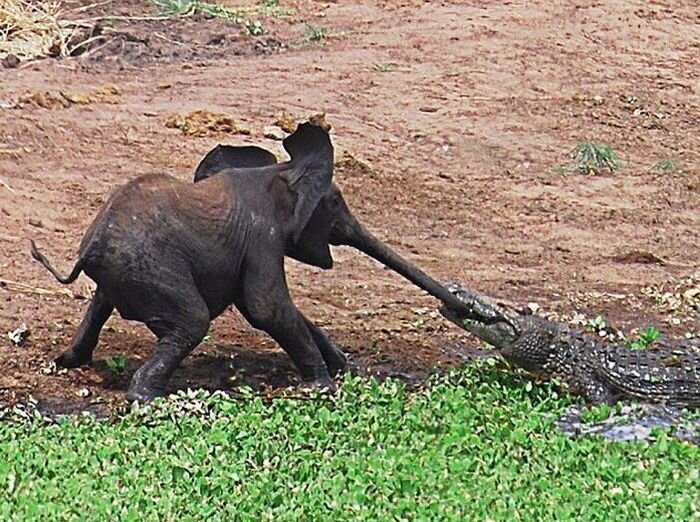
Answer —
177 336
85 339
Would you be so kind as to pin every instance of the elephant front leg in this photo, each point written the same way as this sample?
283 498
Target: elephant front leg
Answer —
292 334
85 339
267 306
335 359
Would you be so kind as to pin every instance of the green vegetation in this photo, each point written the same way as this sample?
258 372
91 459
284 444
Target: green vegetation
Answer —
599 326
591 157
375 346
254 27
597 413
193 7
665 166
646 338
315 33
116 364
478 444
167 8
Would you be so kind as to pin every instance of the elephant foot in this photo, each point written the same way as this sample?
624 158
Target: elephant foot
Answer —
323 385
147 383
336 362
142 393
72 359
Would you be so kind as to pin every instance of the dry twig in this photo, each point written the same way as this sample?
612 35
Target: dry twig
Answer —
23 288
2 182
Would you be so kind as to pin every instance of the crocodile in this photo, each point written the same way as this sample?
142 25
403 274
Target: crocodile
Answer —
594 368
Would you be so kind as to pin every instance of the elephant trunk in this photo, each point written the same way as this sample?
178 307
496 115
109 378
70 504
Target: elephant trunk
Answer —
354 234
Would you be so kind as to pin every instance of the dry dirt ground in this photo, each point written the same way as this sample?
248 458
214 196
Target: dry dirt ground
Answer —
449 120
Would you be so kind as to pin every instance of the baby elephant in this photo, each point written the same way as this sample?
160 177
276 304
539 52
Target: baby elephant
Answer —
175 255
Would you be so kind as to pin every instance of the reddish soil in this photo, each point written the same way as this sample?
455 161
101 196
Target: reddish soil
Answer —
449 120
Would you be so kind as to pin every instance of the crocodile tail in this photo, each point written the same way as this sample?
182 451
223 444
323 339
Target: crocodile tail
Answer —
45 262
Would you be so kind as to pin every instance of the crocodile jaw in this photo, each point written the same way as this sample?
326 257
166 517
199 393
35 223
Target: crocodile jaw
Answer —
499 335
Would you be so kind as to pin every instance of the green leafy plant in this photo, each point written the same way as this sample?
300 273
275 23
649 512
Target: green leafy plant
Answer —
174 7
477 443
117 364
254 27
646 337
597 325
593 414
375 346
591 157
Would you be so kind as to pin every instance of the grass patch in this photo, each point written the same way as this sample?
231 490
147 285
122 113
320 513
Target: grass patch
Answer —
232 14
475 445
665 166
591 157
315 33
383 67
236 15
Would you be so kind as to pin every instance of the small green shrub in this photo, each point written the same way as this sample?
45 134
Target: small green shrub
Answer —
315 33
117 364
593 158
254 27
646 337
168 8
665 166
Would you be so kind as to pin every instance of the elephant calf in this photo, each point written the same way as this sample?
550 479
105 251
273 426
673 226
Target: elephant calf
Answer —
175 255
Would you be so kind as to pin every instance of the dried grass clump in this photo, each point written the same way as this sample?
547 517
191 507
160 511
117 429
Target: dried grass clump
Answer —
29 29
202 123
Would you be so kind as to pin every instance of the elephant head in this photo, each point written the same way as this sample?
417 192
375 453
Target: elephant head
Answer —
331 223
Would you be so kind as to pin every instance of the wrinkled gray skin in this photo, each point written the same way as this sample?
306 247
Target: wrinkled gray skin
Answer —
175 255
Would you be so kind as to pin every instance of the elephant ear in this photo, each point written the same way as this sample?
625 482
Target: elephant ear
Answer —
224 157
310 171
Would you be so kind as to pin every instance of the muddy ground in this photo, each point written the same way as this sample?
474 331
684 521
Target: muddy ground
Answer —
451 122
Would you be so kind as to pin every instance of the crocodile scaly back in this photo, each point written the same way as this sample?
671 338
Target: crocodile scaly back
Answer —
672 377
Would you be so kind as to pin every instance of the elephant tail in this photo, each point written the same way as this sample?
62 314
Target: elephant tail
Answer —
45 262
